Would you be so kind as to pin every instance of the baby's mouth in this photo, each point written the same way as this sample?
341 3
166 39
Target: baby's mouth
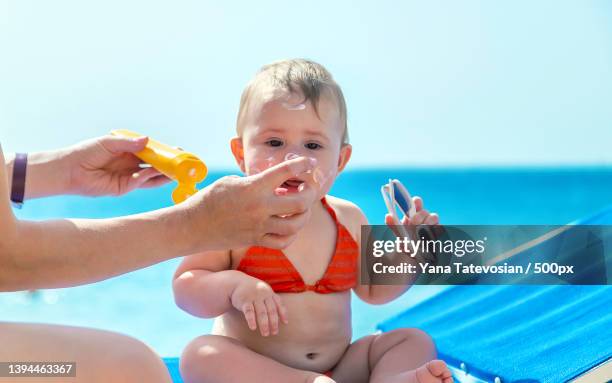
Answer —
292 185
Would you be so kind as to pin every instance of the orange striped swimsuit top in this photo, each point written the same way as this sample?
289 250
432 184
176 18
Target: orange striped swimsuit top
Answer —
274 268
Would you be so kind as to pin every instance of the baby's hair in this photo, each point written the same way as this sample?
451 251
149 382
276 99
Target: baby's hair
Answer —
295 76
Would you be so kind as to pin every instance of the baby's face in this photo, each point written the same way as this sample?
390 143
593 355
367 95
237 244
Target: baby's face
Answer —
280 129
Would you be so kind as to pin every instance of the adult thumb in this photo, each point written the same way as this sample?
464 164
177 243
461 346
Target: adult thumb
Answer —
116 145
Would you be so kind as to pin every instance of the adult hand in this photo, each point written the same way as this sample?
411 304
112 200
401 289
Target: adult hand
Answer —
107 166
244 211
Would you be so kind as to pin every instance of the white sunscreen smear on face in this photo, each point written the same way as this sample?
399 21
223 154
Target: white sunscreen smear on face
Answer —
289 102
289 106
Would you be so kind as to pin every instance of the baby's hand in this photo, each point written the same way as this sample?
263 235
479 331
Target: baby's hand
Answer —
422 216
259 304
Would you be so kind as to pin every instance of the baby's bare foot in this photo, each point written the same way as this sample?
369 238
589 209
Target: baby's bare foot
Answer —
434 371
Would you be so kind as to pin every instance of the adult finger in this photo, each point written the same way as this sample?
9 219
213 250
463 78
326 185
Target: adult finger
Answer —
153 177
276 241
286 225
139 178
272 315
117 145
249 314
290 204
262 318
273 177
156 181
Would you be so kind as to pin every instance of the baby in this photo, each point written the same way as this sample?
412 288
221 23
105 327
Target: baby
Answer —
299 299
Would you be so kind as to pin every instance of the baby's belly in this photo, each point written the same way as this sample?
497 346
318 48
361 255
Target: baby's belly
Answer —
318 332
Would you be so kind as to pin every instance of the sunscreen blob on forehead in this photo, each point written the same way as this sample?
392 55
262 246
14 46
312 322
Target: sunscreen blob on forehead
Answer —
291 101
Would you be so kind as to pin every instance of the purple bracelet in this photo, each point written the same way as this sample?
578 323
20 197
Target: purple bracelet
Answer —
20 166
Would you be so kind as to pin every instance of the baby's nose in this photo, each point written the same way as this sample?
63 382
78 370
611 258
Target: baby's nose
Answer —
294 151
291 155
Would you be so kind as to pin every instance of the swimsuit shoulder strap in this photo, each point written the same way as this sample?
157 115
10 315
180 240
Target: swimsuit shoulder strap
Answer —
330 210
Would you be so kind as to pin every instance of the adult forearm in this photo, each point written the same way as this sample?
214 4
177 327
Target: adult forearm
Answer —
67 252
47 174
9 160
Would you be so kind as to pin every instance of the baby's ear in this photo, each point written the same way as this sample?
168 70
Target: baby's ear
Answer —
238 152
345 155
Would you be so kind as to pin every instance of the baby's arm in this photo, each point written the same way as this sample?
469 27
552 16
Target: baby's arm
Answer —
202 284
205 286
369 291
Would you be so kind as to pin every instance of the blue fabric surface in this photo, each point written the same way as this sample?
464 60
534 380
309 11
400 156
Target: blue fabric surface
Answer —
539 333
173 368
519 333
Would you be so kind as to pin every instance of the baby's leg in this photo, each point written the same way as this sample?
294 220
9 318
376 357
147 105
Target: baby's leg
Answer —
220 359
403 355
354 366
406 355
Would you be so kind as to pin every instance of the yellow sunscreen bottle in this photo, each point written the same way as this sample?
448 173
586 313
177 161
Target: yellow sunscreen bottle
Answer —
183 167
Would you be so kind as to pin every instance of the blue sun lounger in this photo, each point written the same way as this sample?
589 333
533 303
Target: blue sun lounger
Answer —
516 333
173 368
519 333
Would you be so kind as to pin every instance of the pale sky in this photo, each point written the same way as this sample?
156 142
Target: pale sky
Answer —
427 83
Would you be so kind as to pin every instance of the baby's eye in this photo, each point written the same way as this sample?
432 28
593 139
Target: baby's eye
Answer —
313 146
274 142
